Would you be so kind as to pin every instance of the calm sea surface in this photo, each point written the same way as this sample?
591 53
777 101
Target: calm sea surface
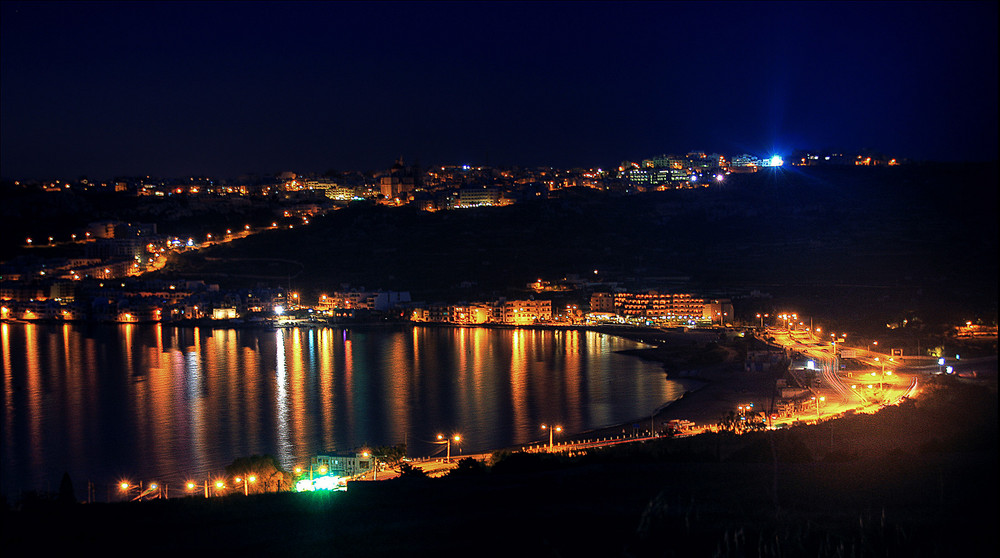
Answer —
165 403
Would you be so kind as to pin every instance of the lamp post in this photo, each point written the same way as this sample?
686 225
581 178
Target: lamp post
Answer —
817 400
125 487
191 485
321 470
246 483
442 439
835 367
551 429
367 454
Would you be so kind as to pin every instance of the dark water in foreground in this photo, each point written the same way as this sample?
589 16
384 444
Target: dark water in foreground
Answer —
105 402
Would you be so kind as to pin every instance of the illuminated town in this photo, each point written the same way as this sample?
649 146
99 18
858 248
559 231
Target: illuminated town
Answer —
769 364
632 279
45 288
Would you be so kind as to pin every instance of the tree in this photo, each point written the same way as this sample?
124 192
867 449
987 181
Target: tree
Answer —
742 423
407 471
468 466
390 455
270 476
66 492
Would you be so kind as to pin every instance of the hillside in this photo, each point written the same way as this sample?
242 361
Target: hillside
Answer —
834 240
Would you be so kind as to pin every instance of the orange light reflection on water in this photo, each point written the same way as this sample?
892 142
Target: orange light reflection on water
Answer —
519 384
8 384
285 453
35 394
328 355
396 405
299 429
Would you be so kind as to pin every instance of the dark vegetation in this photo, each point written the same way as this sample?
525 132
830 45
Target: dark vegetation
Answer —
269 477
390 455
914 480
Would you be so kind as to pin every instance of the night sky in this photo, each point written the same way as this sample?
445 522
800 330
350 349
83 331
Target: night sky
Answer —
223 89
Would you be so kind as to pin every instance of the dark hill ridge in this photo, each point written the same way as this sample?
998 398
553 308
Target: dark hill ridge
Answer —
920 235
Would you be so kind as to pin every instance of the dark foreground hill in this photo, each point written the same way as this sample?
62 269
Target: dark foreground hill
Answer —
924 485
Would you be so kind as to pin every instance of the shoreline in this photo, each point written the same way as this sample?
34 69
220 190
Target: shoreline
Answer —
719 387
710 389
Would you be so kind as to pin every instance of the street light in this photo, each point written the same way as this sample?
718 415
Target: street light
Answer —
374 463
191 486
817 405
442 439
762 316
125 487
551 429
246 483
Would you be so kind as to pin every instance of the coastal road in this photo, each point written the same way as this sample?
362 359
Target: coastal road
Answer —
439 466
872 381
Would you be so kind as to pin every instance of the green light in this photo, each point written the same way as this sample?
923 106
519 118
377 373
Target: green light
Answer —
325 482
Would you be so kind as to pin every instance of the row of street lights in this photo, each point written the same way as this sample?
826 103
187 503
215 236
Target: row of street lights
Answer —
155 490
818 400
220 485
551 429
442 439
457 438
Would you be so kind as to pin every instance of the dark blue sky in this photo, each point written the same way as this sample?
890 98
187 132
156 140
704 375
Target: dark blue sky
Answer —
171 89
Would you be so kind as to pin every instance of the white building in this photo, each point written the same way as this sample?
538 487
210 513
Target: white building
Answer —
341 464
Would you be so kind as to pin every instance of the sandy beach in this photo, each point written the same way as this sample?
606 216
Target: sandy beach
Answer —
715 387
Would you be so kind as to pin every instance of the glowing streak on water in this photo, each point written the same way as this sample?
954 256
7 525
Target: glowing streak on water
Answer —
285 456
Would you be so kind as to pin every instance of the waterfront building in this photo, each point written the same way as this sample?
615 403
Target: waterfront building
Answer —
602 302
471 314
526 312
224 313
719 311
363 300
670 307
341 464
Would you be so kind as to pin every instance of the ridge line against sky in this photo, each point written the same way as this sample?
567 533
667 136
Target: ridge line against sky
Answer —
223 89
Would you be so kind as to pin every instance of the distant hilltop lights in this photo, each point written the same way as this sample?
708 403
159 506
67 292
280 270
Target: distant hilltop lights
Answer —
465 185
